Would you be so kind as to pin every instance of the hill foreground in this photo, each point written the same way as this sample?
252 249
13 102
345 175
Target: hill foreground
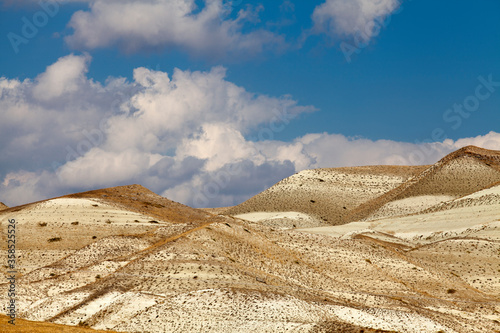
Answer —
127 260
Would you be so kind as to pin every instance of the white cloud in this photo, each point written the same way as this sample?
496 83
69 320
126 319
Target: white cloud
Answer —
135 25
83 135
348 18
185 136
63 77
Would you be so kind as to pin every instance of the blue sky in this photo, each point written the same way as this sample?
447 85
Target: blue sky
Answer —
246 59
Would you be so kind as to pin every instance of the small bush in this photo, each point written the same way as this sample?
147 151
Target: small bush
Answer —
42 224
451 291
153 221
75 223
55 239
94 237
368 261
98 276
108 221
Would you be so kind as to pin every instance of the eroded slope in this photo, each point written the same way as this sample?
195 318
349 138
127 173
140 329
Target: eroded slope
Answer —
327 195
460 173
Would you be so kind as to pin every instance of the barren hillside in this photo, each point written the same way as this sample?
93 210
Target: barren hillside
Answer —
3 206
27 326
139 199
127 260
460 173
229 275
327 195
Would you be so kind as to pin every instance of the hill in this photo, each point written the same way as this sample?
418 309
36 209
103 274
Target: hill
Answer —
229 275
327 195
139 199
460 173
3 206
55 228
127 260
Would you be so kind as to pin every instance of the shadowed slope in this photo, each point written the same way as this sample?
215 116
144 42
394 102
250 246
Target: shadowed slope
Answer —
328 194
460 173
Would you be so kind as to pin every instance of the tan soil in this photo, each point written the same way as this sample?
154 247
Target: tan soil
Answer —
465 171
159 266
328 194
27 326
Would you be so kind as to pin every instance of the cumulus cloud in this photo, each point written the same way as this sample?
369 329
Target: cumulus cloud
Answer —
156 130
135 25
349 18
63 77
185 136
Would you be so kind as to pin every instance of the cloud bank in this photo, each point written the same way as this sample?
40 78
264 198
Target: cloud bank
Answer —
172 24
186 136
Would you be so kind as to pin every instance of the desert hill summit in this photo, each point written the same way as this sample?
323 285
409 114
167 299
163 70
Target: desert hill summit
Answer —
342 195
3 206
128 260
144 201
458 174
326 196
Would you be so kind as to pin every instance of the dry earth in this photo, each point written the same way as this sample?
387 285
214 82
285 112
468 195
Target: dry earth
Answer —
27 326
328 195
158 266
3 206
463 172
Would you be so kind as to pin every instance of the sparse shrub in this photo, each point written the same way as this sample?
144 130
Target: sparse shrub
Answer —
52 274
95 205
108 221
451 291
368 261
94 237
42 224
98 276
136 221
75 223
54 239
153 221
